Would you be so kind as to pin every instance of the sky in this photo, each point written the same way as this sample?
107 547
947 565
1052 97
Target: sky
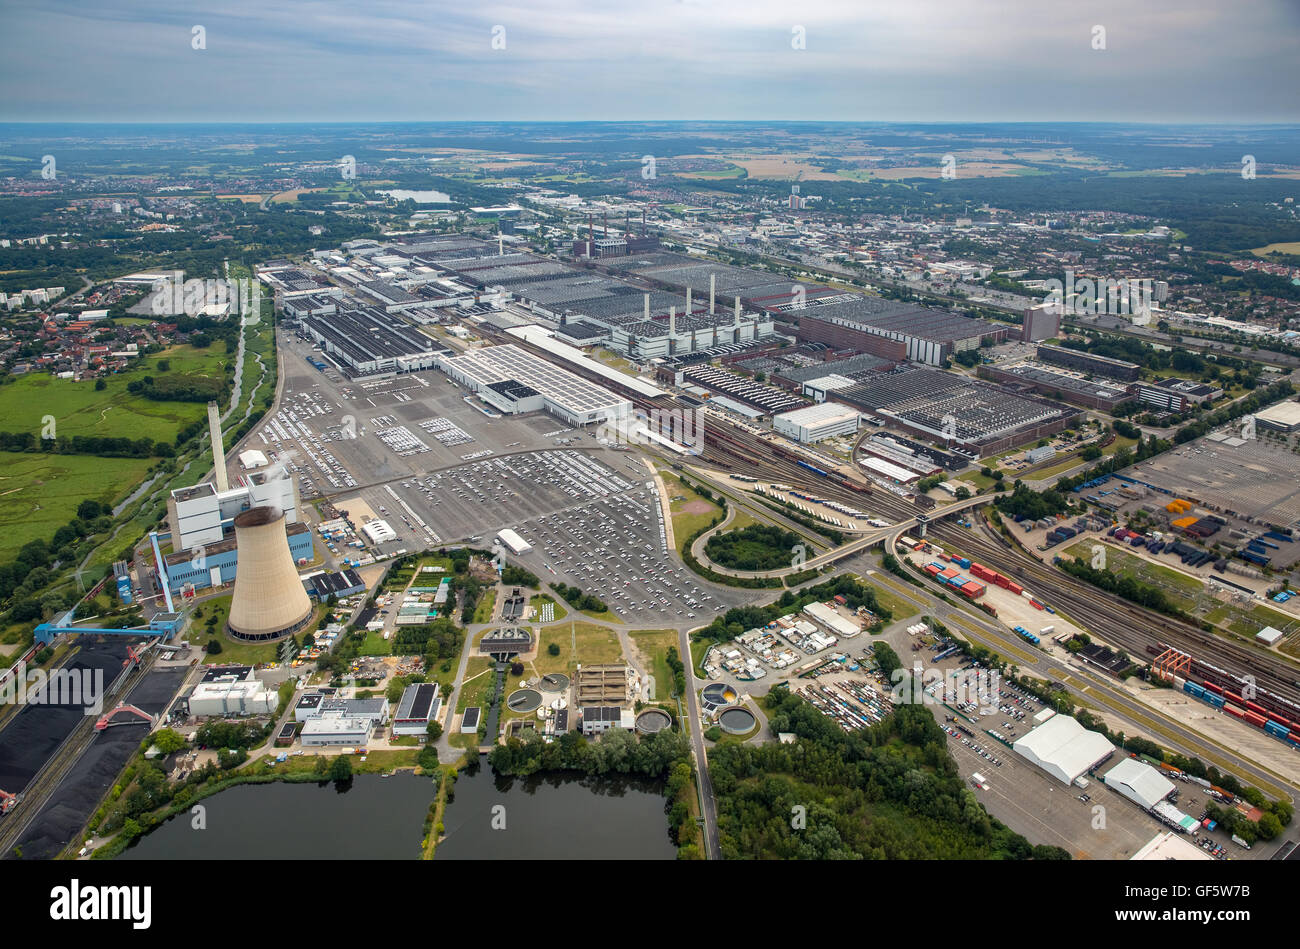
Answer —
1232 61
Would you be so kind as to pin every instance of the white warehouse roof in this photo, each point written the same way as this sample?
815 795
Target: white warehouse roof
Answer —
253 459
512 540
1139 782
1063 748
817 414
1170 846
378 532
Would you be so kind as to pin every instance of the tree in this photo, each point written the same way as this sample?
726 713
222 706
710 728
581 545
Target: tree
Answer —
214 647
434 731
168 740
553 649
100 385
341 770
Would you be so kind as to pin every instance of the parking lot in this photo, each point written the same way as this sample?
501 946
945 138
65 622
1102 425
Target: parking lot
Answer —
613 545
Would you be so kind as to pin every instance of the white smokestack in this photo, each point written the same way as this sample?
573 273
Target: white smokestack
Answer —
218 448
737 309
713 285
688 301
672 321
647 307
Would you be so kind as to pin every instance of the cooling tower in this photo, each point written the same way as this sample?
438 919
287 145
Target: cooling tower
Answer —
269 600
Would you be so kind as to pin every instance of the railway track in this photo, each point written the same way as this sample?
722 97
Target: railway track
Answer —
1126 625
1122 623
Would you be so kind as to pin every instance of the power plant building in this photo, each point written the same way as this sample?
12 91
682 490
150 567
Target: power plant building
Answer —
269 600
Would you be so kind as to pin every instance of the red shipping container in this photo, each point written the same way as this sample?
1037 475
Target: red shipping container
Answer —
1233 711
1002 581
1015 588
1216 689
1254 718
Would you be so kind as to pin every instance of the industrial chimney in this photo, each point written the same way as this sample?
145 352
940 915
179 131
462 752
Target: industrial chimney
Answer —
218 448
269 600
713 286
647 307
688 301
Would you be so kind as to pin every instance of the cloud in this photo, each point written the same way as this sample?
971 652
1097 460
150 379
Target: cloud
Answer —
927 60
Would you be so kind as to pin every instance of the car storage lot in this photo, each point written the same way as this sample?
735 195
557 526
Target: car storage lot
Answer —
614 547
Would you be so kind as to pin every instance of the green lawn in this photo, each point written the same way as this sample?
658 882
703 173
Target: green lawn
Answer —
1131 565
654 644
39 493
77 409
686 523
477 691
483 611
376 644
540 600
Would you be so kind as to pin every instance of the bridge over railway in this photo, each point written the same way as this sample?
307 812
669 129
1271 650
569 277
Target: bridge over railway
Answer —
886 535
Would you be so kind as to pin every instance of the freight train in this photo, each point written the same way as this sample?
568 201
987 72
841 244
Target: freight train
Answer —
1252 713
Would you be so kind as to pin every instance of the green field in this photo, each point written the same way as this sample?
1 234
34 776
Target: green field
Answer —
654 644
39 493
540 600
77 409
1139 568
686 523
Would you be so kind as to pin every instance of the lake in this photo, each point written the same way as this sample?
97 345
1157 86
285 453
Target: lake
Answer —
555 816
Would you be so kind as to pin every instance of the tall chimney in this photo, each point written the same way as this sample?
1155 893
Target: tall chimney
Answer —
737 309
672 321
647 307
604 232
713 286
688 301
591 228
643 222
218 448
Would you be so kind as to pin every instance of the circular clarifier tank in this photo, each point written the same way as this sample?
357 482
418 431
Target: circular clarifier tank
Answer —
652 720
524 700
737 721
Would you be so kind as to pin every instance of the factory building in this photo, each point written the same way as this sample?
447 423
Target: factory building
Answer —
1087 362
569 397
368 342
966 415
1283 417
816 422
215 565
335 728
926 334
1175 395
513 542
419 706
1073 387
598 719
1139 782
1064 748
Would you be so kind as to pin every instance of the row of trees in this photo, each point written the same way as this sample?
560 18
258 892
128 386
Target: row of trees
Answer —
103 446
890 792
579 600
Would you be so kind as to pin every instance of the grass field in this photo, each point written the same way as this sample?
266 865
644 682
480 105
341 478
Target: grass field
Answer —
653 644
40 493
540 600
486 603
476 687
578 642
77 409
1130 565
689 514
376 644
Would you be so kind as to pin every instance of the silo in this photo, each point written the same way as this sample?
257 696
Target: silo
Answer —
269 600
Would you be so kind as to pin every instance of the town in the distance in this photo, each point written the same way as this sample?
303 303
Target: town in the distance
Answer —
650 490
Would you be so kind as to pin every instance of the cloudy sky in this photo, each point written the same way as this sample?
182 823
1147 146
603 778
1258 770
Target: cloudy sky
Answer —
888 60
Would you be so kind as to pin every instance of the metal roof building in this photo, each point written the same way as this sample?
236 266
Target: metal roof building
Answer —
1064 748
1139 782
